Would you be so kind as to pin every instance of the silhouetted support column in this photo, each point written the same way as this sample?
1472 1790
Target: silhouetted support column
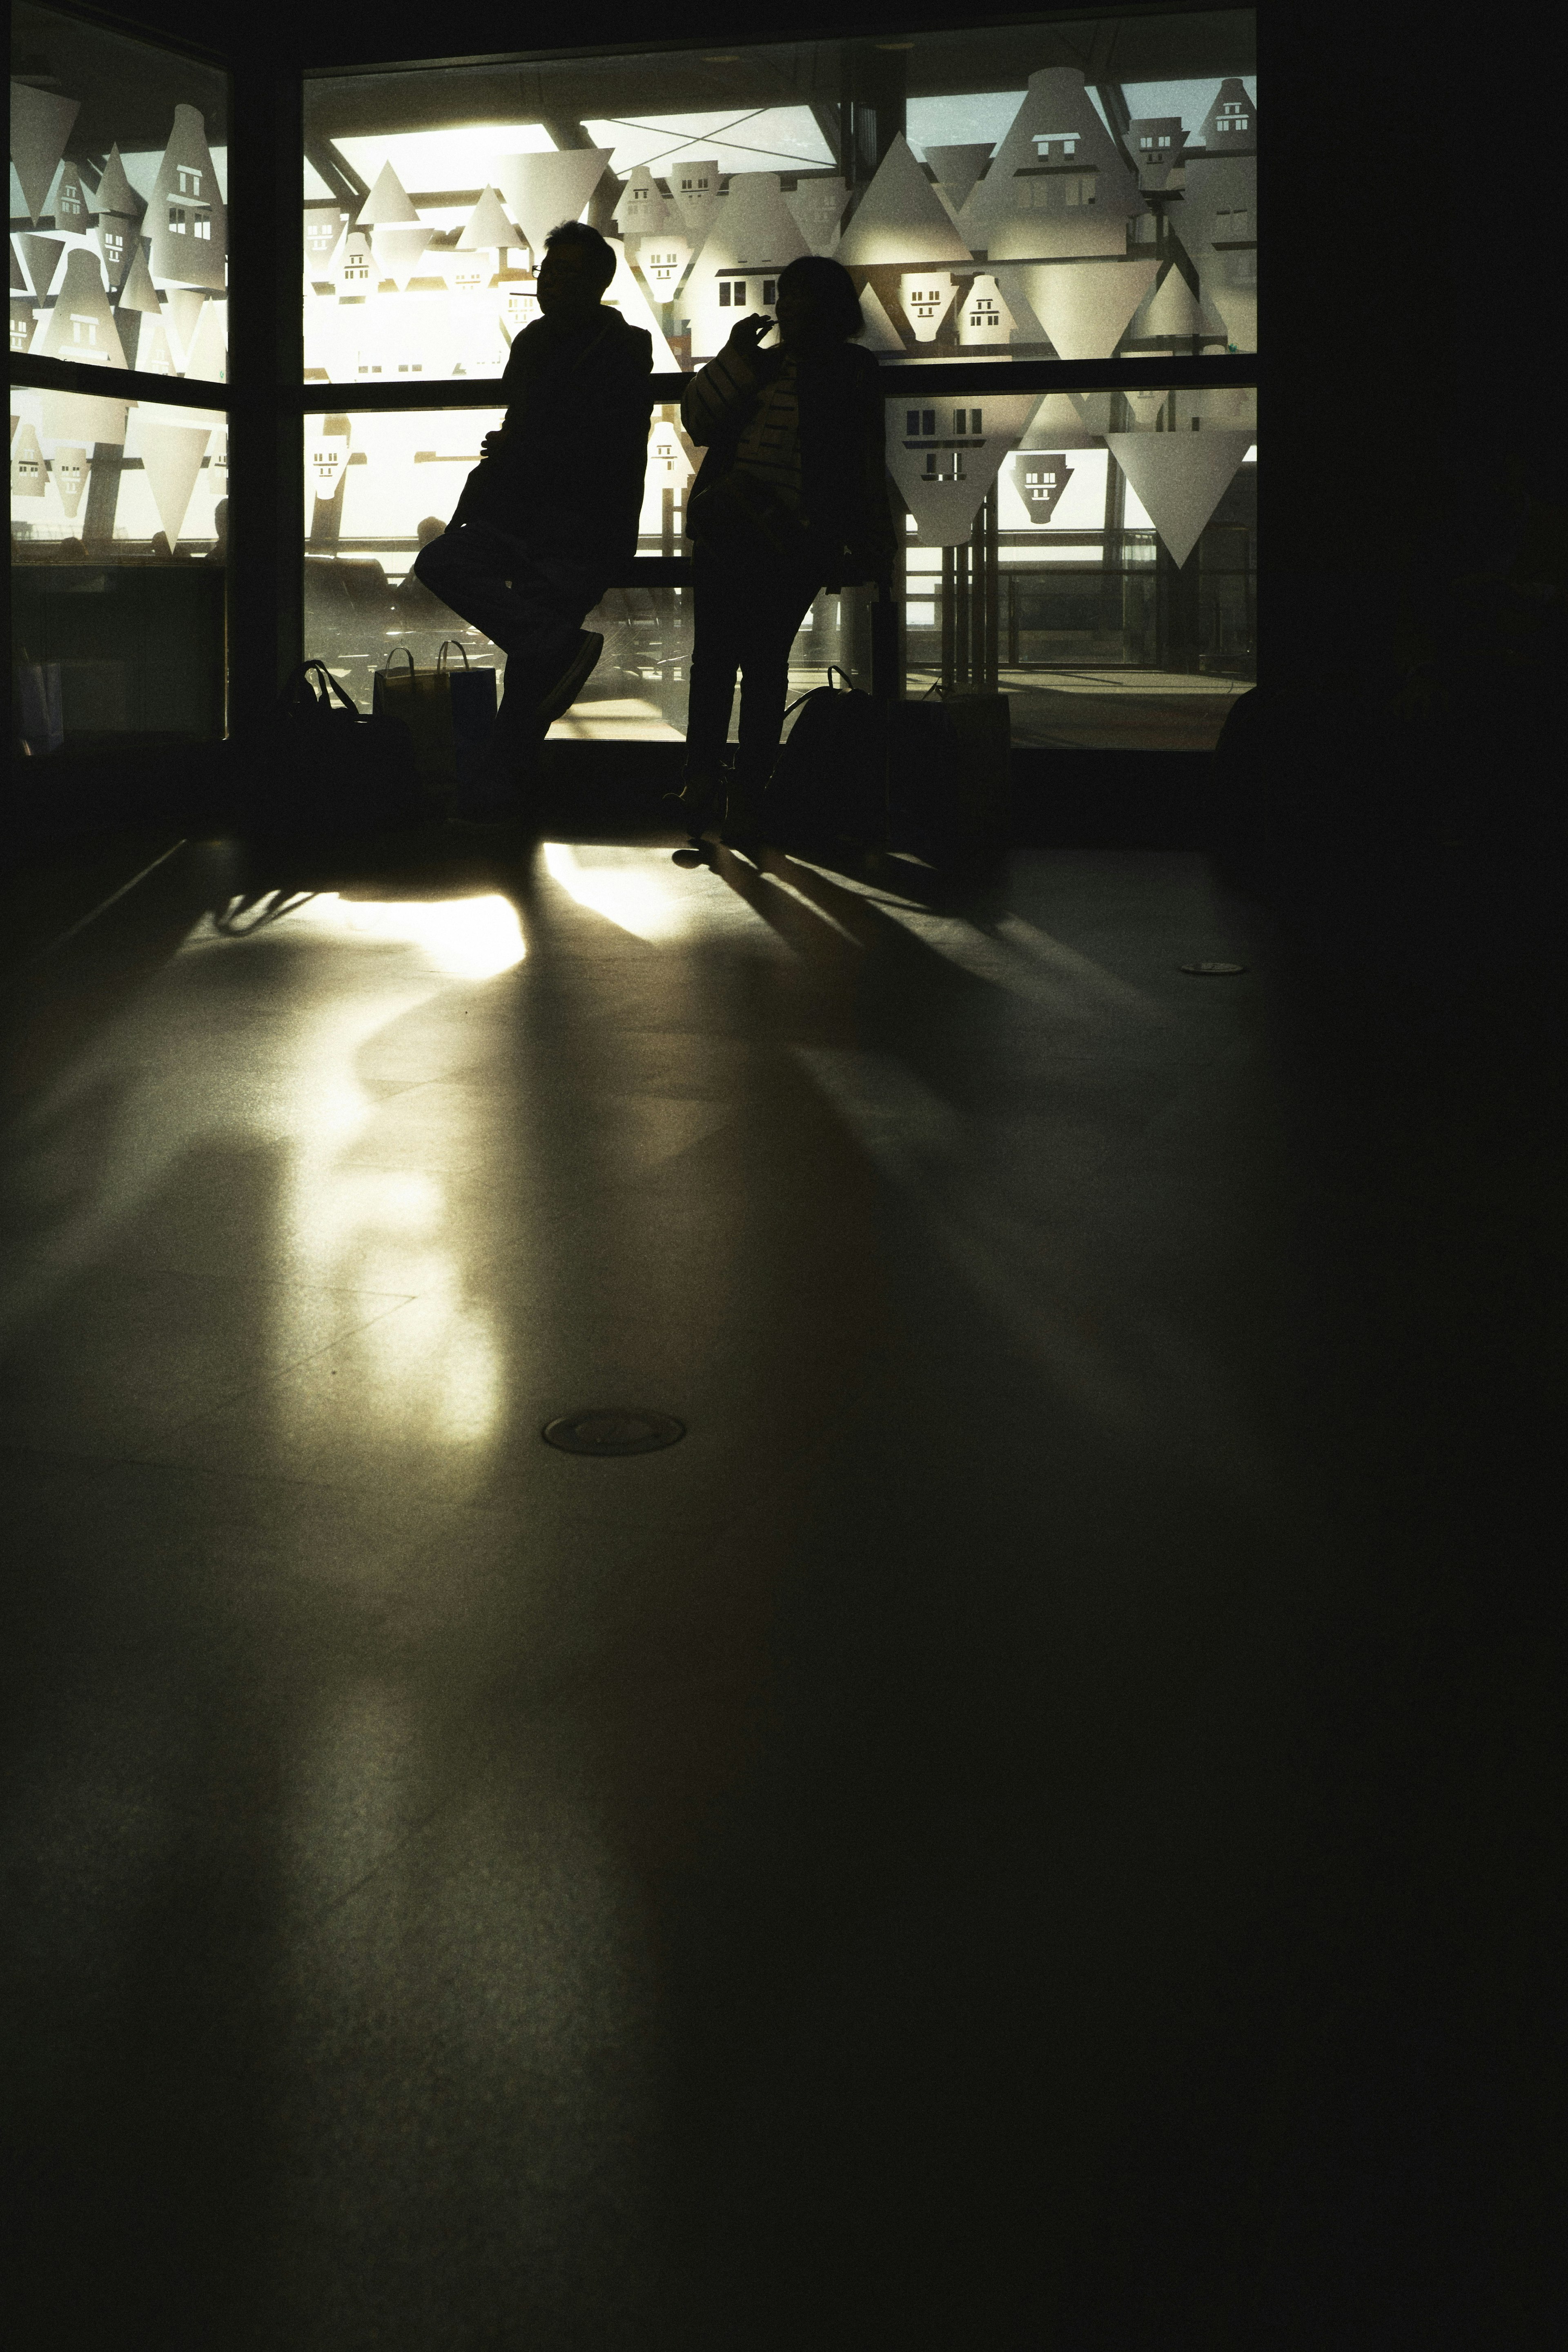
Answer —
266 364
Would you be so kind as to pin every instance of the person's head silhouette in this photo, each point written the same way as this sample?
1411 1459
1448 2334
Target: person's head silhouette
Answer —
578 265
818 305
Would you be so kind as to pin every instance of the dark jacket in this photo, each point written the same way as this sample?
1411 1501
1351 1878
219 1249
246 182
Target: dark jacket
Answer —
568 477
843 455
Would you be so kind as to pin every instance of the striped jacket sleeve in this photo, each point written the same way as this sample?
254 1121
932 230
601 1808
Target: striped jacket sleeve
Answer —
720 396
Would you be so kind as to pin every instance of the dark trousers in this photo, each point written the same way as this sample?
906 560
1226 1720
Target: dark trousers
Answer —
745 618
530 604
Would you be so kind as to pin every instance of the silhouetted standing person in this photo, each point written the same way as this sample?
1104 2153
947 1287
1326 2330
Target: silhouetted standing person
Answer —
550 514
791 499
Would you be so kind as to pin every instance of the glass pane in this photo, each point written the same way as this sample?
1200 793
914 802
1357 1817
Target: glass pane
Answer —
118 541
1094 556
990 190
377 487
119 201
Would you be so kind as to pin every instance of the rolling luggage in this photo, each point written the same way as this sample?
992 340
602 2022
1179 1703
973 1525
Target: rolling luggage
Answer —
927 777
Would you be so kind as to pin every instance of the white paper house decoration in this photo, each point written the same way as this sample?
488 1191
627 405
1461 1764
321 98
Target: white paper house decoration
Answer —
984 320
819 207
27 478
42 256
81 325
694 192
1059 185
172 456
944 457
185 217
927 297
752 236
68 468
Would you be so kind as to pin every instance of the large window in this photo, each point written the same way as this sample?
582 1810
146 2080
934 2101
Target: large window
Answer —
1013 204
118 346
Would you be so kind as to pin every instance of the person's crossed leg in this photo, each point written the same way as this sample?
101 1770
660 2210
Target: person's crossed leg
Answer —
532 605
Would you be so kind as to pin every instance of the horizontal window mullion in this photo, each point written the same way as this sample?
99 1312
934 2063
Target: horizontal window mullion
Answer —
116 383
941 376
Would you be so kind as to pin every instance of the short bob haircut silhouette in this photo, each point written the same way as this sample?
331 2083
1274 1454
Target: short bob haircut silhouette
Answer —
832 292
599 250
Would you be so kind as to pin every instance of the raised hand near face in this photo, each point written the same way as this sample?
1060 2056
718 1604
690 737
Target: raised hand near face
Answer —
747 333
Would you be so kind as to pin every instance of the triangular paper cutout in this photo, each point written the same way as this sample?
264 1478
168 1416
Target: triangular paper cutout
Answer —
1085 306
208 359
486 229
944 509
1231 126
1173 313
70 202
82 324
1057 424
1179 478
541 190
386 203
185 199
879 334
817 208
184 313
754 228
40 125
42 256
117 245
18 282
958 168
624 293
399 247
172 454
115 193
139 293
901 218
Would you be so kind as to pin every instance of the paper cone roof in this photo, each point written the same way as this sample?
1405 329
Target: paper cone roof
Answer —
958 168
1057 424
486 227
40 125
901 218
1055 102
18 283
643 210
27 477
398 248
1172 311
185 178
41 255
185 307
115 193
817 206
1231 105
1083 306
1180 477
172 454
70 471
542 191
387 203
754 228
139 293
82 324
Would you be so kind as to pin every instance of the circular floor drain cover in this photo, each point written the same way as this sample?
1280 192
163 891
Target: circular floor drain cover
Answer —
609 1429
1214 971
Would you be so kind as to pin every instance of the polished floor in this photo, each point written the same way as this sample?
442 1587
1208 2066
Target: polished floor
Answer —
1031 1825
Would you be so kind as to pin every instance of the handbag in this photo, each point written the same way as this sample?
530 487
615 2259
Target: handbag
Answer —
471 698
320 767
869 774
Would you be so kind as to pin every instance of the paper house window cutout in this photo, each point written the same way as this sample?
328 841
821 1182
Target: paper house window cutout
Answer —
945 465
71 205
321 234
967 420
697 186
920 423
983 312
925 302
660 266
1062 143
1155 139
1039 486
21 326
1231 118
84 332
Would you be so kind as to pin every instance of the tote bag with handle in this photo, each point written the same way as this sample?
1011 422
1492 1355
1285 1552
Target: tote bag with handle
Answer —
446 713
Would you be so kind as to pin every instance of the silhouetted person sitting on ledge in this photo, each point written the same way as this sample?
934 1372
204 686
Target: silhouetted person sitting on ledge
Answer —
792 498
550 514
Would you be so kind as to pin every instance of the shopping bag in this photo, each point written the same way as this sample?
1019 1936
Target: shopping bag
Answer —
418 700
471 693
